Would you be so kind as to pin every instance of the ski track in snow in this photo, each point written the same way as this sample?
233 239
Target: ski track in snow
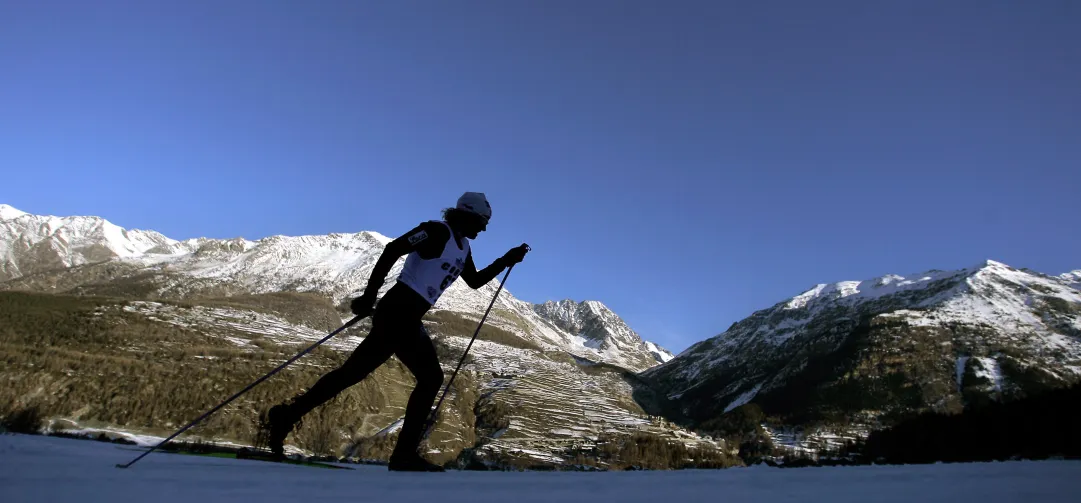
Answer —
45 469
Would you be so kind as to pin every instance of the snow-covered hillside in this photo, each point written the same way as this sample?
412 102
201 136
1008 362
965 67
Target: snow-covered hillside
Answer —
39 251
990 330
1073 278
600 328
31 243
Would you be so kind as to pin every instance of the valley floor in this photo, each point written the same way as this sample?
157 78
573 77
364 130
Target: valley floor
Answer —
52 469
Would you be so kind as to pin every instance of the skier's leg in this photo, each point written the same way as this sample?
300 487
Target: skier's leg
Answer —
417 352
372 352
375 349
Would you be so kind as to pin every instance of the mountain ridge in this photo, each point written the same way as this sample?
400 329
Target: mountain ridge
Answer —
598 326
88 253
859 354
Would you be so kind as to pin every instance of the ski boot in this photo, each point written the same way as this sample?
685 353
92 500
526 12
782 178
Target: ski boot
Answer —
279 422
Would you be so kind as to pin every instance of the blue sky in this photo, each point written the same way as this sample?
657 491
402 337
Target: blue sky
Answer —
686 162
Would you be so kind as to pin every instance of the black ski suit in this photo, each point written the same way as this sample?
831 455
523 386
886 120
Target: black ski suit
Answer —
397 330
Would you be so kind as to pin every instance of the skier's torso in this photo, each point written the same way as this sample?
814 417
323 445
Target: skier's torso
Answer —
401 306
429 278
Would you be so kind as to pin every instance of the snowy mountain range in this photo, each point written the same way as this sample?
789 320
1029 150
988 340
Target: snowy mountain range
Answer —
86 254
863 353
829 363
533 391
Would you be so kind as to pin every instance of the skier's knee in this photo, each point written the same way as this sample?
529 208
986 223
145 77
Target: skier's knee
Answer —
431 379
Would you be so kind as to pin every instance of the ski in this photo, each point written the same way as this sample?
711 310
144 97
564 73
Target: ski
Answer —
252 454
264 455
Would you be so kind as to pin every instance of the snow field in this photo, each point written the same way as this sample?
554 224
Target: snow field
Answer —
47 469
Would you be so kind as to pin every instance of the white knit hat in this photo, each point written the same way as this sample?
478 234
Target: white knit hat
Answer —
475 202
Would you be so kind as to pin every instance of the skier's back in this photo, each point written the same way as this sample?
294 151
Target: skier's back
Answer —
438 252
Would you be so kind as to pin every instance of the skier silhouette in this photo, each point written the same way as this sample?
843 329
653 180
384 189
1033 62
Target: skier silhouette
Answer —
438 253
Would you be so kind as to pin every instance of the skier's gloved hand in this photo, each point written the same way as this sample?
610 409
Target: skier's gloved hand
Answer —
363 305
515 255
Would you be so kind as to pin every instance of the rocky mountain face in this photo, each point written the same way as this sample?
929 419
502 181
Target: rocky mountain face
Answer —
856 354
600 328
89 255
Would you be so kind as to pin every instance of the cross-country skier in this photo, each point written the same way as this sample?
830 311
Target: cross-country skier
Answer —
438 253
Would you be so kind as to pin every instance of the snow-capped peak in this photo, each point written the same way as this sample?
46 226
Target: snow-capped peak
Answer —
985 293
596 306
7 212
662 355
889 284
1073 278
597 326
572 316
31 242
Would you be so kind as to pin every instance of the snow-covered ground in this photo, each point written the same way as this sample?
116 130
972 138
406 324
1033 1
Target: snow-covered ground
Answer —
48 469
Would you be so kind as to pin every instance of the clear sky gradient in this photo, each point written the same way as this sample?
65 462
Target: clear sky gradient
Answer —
684 162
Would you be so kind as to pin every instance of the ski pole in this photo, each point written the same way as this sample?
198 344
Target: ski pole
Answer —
432 416
245 390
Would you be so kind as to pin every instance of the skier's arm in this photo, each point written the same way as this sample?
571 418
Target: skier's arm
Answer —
476 279
424 239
